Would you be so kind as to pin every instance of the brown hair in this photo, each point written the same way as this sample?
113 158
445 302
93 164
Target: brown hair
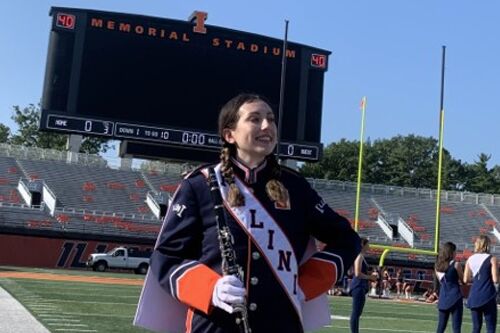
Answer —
446 254
482 244
228 117
364 241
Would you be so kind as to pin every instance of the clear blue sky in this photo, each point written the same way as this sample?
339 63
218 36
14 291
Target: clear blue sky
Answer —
388 50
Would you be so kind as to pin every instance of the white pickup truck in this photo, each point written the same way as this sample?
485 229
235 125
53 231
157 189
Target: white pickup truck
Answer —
121 258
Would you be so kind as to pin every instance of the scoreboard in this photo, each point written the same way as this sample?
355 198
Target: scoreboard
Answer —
162 82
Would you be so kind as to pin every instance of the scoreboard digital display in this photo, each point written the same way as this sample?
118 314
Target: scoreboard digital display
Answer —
163 82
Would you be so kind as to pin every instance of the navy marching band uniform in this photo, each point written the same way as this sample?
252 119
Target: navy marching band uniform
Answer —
187 259
482 295
359 288
450 299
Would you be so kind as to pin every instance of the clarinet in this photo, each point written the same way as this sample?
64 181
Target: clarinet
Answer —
229 264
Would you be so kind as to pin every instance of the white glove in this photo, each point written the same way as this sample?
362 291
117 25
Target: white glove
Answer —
228 291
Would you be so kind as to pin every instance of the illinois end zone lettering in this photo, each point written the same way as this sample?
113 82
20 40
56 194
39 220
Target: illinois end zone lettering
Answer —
76 263
66 253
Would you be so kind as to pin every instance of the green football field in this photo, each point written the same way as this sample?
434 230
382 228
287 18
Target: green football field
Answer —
92 307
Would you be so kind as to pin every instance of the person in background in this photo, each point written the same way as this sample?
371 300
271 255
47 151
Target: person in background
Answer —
374 282
386 282
407 287
359 286
450 274
481 269
272 214
430 296
399 283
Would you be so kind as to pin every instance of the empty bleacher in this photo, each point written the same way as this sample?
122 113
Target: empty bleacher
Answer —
91 188
21 216
106 224
166 182
343 200
9 178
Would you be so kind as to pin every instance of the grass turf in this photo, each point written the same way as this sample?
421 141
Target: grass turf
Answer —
93 307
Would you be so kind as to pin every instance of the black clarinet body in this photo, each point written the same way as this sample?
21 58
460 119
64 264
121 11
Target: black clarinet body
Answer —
229 264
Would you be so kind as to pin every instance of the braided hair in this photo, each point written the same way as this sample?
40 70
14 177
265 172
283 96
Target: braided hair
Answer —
228 118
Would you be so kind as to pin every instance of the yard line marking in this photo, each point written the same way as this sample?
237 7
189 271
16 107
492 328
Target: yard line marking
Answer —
76 285
385 329
68 324
91 302
40 303
73 330
96 314
92 295
339 317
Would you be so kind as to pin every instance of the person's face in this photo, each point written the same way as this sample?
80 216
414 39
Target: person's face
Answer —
254 134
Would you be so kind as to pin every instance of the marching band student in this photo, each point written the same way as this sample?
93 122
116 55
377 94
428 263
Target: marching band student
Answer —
272 213
449 273
481 269
359 286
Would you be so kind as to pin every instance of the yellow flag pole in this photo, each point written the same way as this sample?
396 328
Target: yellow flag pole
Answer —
360 163
438 194
440 161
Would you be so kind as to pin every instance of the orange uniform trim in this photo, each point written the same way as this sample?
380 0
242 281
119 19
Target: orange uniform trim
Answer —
316 277
195 287
189 320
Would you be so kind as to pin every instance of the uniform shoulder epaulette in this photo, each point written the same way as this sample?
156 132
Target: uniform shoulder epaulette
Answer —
290 170
195 171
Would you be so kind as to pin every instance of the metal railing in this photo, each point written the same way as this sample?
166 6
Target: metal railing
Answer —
422 193
83 211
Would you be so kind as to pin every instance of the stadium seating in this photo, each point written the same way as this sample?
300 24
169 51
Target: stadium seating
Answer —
9 178
100 200
90 188
343 201
163 182
21 216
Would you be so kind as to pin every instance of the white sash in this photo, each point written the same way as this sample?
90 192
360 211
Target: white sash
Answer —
314 313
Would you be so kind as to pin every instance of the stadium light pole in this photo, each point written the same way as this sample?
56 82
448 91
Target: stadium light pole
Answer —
440 158
282 91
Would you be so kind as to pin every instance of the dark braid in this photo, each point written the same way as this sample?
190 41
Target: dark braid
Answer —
234 196
274 188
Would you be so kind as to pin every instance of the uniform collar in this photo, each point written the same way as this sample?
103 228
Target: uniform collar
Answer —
249 175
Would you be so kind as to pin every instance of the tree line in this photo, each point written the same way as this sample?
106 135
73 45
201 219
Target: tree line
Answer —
409 161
